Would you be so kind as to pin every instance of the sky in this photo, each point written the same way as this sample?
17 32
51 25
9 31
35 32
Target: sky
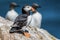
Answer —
50 10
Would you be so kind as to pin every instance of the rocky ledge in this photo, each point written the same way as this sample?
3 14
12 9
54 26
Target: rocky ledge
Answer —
36 33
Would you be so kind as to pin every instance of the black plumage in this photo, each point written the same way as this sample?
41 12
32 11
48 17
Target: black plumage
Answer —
20 21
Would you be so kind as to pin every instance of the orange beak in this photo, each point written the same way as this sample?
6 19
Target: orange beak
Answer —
32 9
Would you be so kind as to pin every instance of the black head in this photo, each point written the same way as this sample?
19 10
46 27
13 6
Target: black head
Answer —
36 6
13 4
25 10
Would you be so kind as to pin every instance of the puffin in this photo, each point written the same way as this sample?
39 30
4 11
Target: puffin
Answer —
21 21
12 14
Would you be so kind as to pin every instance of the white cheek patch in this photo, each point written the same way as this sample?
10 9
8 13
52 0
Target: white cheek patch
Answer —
27 8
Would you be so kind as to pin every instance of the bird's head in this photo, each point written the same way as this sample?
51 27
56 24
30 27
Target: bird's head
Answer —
27 8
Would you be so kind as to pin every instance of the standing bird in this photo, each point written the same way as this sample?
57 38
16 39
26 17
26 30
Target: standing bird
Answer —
20 22
12 14
34 20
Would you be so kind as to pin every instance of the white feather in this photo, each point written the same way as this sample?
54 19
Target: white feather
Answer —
36 20
11 15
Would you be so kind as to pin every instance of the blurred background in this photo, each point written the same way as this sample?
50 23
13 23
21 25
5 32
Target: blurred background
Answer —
50 11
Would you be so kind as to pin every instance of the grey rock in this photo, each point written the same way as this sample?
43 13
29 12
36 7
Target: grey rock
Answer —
35 32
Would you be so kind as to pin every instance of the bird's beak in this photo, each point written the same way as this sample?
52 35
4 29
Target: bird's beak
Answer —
32 9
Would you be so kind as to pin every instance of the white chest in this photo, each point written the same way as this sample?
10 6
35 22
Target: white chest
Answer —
36 20
11 15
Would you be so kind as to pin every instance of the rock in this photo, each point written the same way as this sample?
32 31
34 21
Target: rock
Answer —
36 33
